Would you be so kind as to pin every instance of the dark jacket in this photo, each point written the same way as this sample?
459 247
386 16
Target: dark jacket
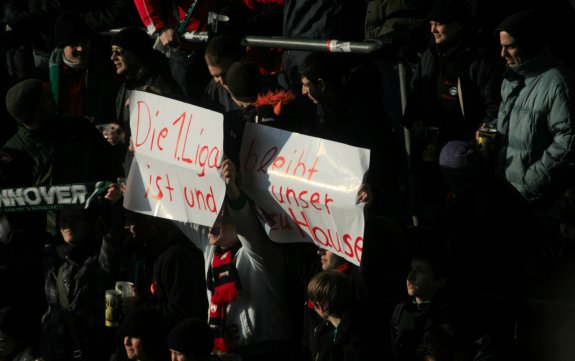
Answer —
179 282
107 14
88 271
218 99
480 79
353 120
342 343
155 77
66 150
409 322
170 276
319 20
32 23
98 102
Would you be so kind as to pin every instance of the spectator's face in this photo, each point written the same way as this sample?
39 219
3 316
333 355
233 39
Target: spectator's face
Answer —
445 33
421 281
74 225
223 233
319 310
78 53
311 90
178 356
140 229
125 62
329 260
133 346
509 50
218 72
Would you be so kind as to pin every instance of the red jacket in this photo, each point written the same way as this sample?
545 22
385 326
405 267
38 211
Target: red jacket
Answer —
252 3
159 14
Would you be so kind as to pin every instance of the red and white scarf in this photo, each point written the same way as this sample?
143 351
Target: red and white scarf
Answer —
224 283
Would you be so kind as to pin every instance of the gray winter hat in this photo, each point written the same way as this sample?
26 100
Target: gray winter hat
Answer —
22 98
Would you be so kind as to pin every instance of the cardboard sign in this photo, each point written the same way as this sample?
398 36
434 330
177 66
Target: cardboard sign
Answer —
178 151
306 188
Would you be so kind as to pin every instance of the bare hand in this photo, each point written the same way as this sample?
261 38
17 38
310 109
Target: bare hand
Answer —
482 126
364 195
114 193
230 175
169 37
114 134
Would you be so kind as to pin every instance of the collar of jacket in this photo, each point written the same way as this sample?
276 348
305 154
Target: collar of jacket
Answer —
532 67
451 52
77 252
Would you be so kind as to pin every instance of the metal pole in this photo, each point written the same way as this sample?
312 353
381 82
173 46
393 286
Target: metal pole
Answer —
196 36
332 46
407 133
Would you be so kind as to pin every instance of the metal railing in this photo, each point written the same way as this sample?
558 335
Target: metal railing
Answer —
333 46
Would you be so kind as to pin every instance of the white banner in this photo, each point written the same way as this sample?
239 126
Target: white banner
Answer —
306 188
178 147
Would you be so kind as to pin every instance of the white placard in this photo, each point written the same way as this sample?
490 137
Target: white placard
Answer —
306 188
178 151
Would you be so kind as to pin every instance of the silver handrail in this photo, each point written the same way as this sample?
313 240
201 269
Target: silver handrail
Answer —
334 46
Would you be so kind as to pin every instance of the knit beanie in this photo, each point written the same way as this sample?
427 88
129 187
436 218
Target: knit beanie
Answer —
192 337
243 81
524 27
458 154
449 11
22 99
146 323
135 40
69 29
460 164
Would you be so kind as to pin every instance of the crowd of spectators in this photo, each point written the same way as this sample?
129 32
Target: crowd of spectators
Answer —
468 112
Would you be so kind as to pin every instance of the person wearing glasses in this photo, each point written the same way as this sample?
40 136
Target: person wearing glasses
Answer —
142 68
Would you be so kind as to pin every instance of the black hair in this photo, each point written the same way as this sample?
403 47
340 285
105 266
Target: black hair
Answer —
321 65
223 48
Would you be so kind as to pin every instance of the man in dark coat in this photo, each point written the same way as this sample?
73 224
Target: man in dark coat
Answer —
455 88
142 68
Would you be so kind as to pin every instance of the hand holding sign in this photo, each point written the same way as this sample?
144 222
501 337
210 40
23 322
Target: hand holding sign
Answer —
364 195
229 173
114 193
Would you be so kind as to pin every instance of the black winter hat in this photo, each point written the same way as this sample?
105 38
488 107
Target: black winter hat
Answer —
192 337
524 27
459 154
69 29
147 323
135 40
243 81
22 99
449 11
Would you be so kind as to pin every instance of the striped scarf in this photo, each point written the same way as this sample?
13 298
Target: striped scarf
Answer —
224 283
